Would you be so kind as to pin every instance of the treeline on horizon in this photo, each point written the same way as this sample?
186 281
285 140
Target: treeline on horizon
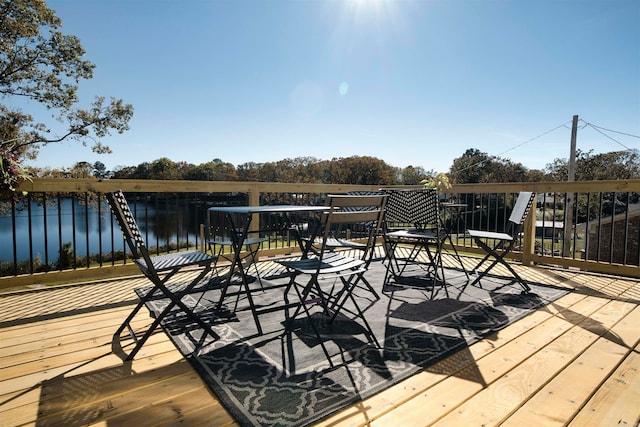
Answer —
473 166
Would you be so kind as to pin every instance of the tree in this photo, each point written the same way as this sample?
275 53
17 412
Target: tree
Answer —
535 175
124 172
164 168
591 167
360 170
249 171
38 63
470 168
100 170
414 175
80 170
216 170
475 166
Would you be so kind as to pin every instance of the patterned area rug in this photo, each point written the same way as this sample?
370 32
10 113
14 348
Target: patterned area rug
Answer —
278 379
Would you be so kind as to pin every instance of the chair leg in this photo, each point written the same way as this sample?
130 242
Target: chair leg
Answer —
498 259
389 257
290 319
372 336
303 305
517 277
175 299
369 287
457 255
483 260
340 298
393 266
254 261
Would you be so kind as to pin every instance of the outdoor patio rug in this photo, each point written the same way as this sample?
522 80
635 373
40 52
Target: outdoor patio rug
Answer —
286 379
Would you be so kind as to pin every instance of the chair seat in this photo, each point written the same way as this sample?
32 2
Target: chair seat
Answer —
489 235
176 260
229 242
331 263
332 242
413 234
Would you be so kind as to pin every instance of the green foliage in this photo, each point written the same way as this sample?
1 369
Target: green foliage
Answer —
414 175
360 170
11 170
439 181
475 166
41 64
100 170
593 167
23 267
65 259
350 170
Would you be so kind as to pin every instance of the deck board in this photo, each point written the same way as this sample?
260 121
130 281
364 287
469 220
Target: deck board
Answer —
564 394
573 362
495 403
616 401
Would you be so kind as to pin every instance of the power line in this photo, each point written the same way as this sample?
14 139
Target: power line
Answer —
514 147
598 129
614 131
533 139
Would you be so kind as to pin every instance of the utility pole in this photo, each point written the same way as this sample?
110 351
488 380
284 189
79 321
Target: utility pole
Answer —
568 208
572 153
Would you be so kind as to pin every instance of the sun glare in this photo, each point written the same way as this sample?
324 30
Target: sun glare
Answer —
377 9
383 15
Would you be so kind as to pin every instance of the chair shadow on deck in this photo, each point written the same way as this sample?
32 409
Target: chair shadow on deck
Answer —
80 399
113 395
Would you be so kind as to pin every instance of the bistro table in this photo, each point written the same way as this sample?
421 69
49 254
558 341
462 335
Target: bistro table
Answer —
238 219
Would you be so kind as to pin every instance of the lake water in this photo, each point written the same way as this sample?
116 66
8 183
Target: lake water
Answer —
101 234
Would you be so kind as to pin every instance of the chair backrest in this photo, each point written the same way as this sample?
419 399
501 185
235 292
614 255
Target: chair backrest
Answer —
127 223
412 207
521 209
353 209
364 225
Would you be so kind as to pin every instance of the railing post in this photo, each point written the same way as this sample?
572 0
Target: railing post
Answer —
254 200
203 246
529 243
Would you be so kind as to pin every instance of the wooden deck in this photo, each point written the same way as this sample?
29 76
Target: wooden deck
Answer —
575 362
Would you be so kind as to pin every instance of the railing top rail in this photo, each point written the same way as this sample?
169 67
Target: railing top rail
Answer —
622 185
80 185
163 186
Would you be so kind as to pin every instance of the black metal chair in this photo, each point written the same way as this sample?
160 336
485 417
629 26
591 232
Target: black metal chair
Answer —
219 244
328 265
412 227
504 242
354 237
158 269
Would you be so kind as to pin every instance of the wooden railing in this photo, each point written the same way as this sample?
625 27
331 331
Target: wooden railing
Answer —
599 232
49 195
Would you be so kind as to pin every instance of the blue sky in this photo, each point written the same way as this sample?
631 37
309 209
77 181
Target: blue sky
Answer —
412 82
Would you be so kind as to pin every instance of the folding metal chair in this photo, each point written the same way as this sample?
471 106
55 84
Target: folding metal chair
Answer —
158 269
504 242
411 228
354 237
343 272
218 243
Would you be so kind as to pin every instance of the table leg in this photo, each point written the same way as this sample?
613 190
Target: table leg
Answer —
238 237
